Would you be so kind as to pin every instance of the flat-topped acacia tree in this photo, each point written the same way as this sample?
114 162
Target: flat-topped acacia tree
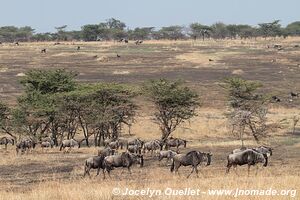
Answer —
174 103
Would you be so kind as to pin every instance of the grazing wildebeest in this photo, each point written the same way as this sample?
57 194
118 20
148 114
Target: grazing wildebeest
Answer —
126 41
193 158
5 141
210 60
152 146
25 144
134 149
47 144
247 157
118 56
276 99
169 154
69 143
175 142
78 48
125 160
43 51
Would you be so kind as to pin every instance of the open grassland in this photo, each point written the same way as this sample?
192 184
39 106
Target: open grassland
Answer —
56 175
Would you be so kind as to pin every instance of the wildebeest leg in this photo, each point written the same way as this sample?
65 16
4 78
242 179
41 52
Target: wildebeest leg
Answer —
249 169
191 172
228 168
129 170
197 172
235 170
256 170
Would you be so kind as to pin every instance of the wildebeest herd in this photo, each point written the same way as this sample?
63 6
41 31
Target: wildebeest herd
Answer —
132 151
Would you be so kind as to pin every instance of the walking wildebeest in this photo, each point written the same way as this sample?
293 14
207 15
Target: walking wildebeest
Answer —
25 144
175 142
169 154
43 51
5 141
261 149
152 146
125 160
134 149
193 158
247 157
96 162
69 143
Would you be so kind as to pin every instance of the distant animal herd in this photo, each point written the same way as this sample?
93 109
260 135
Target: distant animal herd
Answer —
132 151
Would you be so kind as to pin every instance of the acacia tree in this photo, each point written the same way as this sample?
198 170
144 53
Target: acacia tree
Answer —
199 30
247 108
174 103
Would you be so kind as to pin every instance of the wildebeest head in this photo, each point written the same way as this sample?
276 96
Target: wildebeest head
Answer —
208 155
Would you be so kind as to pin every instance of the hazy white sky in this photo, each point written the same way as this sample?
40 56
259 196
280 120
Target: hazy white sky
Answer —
44 15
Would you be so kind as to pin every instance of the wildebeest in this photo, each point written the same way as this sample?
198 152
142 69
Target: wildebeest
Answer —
276 99
134 149
5 141
169 154
210 60
47 144
268 151
69 143
107 151
118 56
152 146
43 51
293 94
122 143
277 46
193 158
138 42
96 162
78 48
136 141
17 43
125 160
56 43
175 142
113 144
126 41
121 40
247 157
25 144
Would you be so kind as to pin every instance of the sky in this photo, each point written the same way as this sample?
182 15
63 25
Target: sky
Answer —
44 15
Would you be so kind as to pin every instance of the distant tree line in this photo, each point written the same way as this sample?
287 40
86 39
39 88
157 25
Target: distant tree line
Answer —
54 105
114 29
